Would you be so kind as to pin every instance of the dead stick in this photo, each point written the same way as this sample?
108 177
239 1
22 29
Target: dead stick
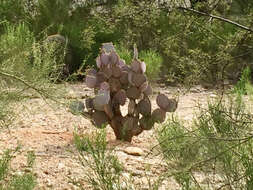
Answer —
218 18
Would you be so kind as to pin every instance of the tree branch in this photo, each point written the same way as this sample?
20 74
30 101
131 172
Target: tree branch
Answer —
39 91
218 18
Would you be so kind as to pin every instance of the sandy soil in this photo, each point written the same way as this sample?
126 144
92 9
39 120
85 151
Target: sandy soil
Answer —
48 130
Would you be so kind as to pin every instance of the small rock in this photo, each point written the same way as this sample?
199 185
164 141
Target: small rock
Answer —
49 183
19 173
135 151
213 95
126 176
61 166
136 173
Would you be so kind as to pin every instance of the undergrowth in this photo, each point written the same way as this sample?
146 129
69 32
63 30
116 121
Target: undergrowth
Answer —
218 147
18 181
104 168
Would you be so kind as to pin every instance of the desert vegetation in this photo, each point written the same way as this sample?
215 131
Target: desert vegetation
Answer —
129 53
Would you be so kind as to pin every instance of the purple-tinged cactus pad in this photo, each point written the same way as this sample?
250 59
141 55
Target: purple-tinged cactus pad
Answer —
100 119
107 70
114 58
131 107
168 105
115 85
172 105
144 86
124 78
130 77
146 123
108 110
108 47
121 63
144 107
101 99
138 79
116 71
105 86
133 93
105 59
158 115
120 97
91 81
148 90
135 66
100 78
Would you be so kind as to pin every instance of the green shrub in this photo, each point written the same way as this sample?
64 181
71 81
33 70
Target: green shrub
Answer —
124 53
176 144
105 167
244 82
8 181
12 11
219 138
153 62
26 68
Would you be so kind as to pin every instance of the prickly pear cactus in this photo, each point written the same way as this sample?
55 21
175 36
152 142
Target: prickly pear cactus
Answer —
116 84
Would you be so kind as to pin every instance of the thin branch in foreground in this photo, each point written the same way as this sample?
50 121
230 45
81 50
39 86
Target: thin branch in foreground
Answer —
218 18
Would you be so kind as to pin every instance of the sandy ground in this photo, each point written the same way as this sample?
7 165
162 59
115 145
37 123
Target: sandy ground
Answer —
48 130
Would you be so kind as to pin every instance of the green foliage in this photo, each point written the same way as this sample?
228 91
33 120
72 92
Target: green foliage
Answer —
153 62
25 181
175 143
220 138
27 68
23 57
124 53
244 83
105 167
11 10
193 48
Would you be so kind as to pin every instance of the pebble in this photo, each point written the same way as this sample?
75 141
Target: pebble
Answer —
49 183
135 151
136 172
61 166
213 95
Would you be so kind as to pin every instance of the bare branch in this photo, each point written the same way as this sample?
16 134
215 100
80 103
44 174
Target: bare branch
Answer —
218 18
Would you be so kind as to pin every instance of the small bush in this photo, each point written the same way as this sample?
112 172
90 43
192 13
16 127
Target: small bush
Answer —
124 53
26 69
25 181
105 167
220 141
244 82
153 61
176 143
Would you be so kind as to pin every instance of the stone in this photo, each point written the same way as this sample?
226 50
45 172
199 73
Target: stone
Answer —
135 151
